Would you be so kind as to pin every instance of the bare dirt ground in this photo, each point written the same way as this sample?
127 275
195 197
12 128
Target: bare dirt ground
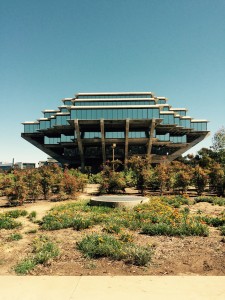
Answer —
171 255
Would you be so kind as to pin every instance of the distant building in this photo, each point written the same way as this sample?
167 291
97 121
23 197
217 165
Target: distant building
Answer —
5 166
91 128
20 165
47 162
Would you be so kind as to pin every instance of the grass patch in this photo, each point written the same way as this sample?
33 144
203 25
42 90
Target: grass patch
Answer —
8 223
7 219
32 216
188 229
15 213
213 221
105 245
15 237
80 223
222 230
43 250
31 231
25 266
175 201
158 216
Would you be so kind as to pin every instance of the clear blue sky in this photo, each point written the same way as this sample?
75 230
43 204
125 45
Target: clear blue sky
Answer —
51 49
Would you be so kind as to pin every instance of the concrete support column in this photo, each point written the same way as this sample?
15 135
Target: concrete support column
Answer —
151 132
79 142
102 127
126 140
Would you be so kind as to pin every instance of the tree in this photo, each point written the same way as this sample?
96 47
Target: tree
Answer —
217 178
50 179
163 170
140 166
17 191
218 142
181 175
200 179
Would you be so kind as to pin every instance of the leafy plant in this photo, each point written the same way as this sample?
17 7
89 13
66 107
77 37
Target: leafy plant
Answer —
8 223
95 246
200 179
32 216
43 250
25 266
222 230
15 237
213 200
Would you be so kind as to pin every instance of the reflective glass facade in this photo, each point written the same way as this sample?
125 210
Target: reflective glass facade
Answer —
114 103
114 113
107 96
30 128
82 130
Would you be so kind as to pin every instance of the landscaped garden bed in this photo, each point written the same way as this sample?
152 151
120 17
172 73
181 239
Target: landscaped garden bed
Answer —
167 235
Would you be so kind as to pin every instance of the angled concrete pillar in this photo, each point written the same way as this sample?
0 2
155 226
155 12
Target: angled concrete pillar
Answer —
126 140
151 132
102 127
79 142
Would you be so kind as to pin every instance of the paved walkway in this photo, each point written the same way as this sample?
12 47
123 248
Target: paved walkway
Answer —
115 288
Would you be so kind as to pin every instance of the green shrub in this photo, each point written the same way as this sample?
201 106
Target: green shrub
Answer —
175 201
43 250
112 182
94 178
95 246
31 231
32 216
126 237
193 229
8 223
15 237
80 223
112 228
222 230
213 200
25 266
139 256
15 213
214 221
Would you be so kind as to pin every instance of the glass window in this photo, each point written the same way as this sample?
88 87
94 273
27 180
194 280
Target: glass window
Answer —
67 102
137 134
48 114
167 119
115 135
31 128
51 140
66 138
199 126
163 137
178 139
113 96
64 109
185 123
52 122
44 124
177 120
161 101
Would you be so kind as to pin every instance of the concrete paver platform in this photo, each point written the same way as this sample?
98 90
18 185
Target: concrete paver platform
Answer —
118 200
112 288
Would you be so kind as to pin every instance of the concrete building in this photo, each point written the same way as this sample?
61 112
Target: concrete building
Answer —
90 128
19 165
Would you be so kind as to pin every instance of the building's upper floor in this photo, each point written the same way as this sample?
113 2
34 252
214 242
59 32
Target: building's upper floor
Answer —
115 106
